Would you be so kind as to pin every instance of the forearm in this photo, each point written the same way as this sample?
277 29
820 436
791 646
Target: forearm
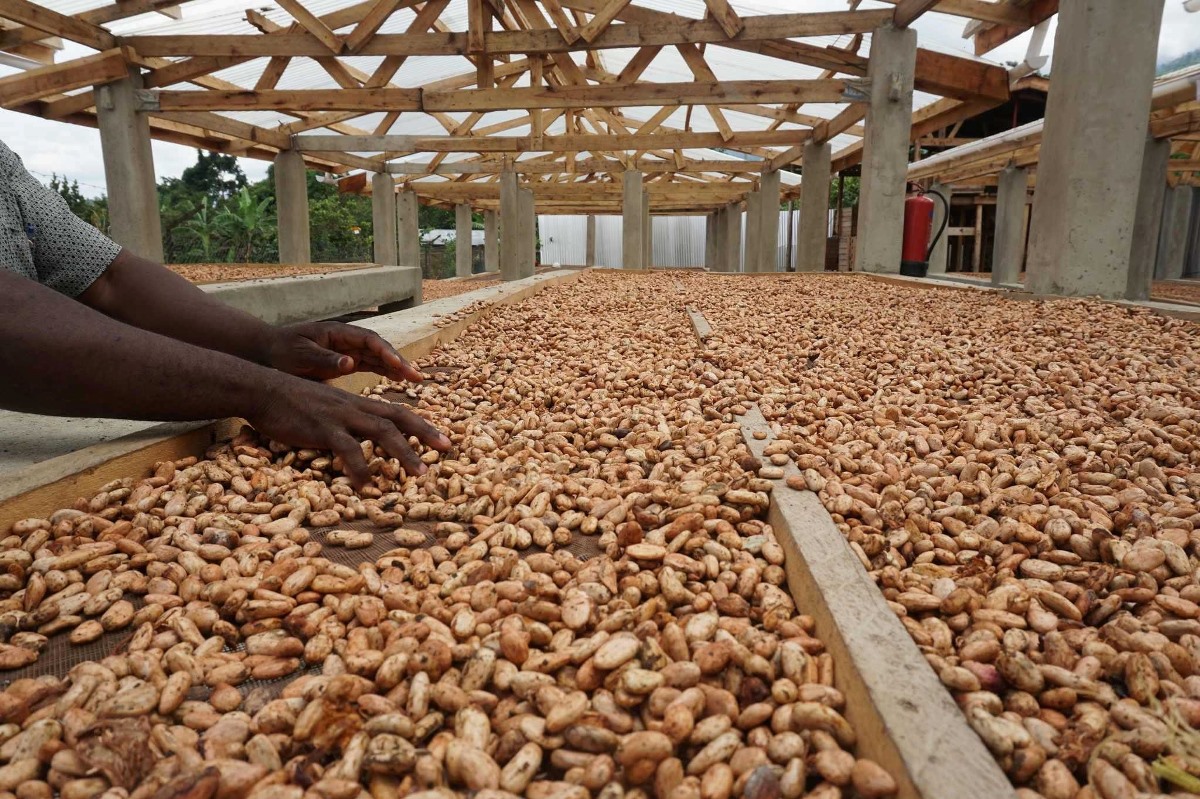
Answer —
62 358
149 296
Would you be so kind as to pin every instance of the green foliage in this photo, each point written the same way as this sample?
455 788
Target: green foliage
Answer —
247 225
849 193
94 212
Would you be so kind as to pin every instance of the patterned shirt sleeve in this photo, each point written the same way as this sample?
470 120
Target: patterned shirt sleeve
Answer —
68 253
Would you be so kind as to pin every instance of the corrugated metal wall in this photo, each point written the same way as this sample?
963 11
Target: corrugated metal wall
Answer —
678 240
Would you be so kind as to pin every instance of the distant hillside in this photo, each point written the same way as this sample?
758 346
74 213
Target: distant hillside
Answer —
1185 60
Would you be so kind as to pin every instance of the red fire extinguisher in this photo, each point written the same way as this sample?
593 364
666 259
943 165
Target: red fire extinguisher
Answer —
918 224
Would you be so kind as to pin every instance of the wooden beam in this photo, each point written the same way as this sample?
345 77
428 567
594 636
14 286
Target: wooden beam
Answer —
967 78
58 78
1183 165
590 165
564 143
660 94
56 24
1037 12
596 25
664 30
351 98
724 14
311 23
370 24
14 37
907 11
568 29
983 10
637 65
583 192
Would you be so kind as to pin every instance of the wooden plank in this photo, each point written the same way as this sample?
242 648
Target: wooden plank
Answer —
311 23
370 24
589 192
599 21
285 100
904 717
530 167
670 31
908 11
13 38
724 14
562 143
87 71
643 94
56 483
984 10
56 24
1036 12
1183 165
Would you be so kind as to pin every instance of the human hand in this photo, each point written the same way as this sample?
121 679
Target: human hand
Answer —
308 414
325 350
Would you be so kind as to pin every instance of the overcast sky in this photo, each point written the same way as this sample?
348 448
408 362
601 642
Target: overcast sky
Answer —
74 151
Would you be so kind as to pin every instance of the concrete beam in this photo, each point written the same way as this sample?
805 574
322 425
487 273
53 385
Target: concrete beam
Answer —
941 249
633 251
812 237
305 298
1152 193
491 241
129 168
408 228
1173 238
383 219
1092 148
769 221
885 150
589 252
463 250
753 231
1008 251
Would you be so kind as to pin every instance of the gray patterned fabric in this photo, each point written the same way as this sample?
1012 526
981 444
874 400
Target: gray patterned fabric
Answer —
41 239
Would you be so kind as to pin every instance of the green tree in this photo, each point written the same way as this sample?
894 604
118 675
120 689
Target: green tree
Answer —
215 176
199 231
243 224
92 211
849 194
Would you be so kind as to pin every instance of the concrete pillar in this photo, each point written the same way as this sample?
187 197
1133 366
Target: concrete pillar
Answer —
1173 238
1083 213
885 149
768 250
647 231
1008 249
1152 192
383 219
632 222
129 168
462 240
291 207
813 236
720 231
753 231
710 240
589 252
491 242
941 249
529 225
734 237
512 244
408 228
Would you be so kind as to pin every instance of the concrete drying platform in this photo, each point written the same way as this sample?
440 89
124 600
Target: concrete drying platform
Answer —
304 298
37 452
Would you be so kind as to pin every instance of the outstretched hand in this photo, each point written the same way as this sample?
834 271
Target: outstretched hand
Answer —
326 350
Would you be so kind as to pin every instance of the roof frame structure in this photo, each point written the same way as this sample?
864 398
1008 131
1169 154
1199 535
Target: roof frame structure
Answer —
565 92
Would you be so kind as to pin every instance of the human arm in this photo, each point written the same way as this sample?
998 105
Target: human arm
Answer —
147 295
63 358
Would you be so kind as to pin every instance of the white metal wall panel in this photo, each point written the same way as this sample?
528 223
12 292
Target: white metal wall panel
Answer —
564 239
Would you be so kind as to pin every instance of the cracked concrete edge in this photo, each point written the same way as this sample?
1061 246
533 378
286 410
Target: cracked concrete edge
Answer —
904 718
57 482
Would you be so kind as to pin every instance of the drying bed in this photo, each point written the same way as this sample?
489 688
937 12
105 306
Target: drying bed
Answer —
1017 478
